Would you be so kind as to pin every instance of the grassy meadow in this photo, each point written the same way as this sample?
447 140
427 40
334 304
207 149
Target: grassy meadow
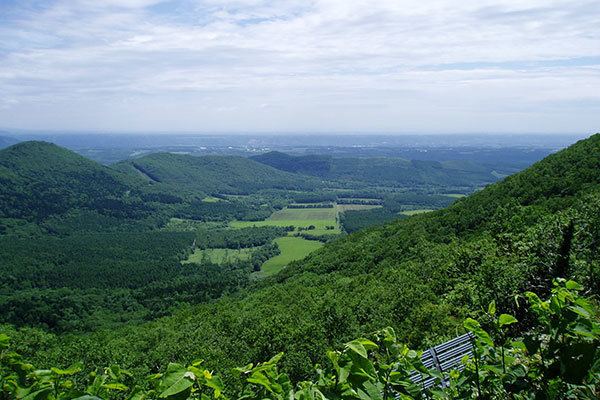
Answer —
292 249
320 218
415 212
295 248
210 199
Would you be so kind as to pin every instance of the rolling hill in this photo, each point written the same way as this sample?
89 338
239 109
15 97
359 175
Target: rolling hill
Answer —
39 179
395 171
42 184
211 174
422 276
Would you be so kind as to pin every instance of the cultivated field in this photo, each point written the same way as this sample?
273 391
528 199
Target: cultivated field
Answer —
210 199
292 248
415 212
320 218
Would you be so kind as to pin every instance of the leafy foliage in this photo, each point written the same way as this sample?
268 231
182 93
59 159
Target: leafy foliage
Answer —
39 179
558 359
421 276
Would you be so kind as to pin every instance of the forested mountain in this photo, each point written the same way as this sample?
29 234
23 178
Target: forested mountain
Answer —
319 165
383 169
39 179
422 276
211 174
45 188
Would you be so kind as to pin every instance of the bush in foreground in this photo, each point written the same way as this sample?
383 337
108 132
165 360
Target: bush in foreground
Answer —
558 358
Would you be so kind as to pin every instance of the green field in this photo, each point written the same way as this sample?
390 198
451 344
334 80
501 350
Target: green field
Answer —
210 199
300 218
292 249
415 212
219 256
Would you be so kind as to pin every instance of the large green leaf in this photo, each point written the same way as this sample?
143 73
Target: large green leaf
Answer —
506 319
259 378
177 382
492 308
72 370
4 340
357 347
39 394
474 327
115 386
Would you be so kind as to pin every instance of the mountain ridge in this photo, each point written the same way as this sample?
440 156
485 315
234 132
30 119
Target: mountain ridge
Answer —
212 174
394 170
42 179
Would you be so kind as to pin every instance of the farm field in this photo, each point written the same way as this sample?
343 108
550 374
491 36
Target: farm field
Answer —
299 218
210 199
220 256
292 249
415 212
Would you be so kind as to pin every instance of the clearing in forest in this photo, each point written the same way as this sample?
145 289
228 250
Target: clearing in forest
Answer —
320 218
415 212
292 249
211 199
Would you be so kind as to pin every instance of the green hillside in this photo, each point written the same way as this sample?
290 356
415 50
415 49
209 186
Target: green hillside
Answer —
422 276
395 171
39 179
211 174
318 165
45 188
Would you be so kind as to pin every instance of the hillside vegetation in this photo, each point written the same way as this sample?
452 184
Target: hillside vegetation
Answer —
391 170
211 174
556 359
422 276
39 179
46 189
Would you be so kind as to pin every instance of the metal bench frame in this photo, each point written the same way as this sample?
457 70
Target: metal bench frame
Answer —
444 357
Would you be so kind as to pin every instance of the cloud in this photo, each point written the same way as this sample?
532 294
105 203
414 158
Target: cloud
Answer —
324 65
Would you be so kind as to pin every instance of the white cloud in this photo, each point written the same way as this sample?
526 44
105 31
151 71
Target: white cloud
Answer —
321 65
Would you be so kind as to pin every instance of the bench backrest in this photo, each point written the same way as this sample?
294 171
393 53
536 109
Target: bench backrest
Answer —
444 357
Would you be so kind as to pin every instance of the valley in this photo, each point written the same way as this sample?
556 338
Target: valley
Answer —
103 265
299 200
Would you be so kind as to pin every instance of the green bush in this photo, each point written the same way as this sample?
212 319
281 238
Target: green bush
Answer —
559 358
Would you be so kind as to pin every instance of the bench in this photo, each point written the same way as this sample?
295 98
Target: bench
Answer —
444 357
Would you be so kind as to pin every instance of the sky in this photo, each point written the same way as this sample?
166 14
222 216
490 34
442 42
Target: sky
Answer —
356 66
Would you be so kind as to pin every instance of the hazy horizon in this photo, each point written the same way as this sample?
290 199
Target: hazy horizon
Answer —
289 67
